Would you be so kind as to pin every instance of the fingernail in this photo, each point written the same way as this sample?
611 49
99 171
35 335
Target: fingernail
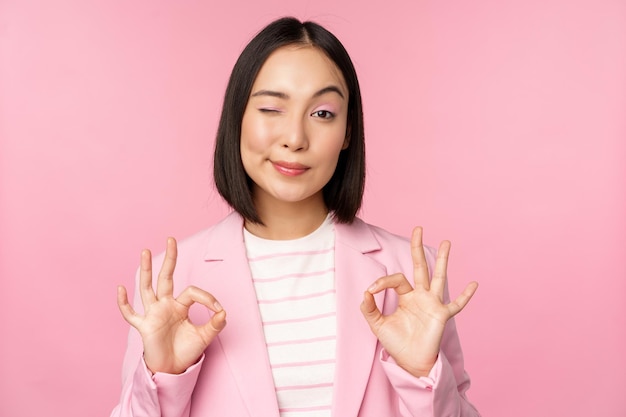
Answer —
217 306
372 287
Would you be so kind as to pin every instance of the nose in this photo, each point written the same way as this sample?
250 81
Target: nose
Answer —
295 135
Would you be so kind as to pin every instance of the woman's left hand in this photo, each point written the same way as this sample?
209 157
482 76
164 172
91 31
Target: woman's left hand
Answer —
412 334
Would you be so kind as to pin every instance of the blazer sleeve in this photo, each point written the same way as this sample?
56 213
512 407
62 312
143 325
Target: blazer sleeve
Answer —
442 392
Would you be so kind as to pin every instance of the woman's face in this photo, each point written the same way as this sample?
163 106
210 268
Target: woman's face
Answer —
294 126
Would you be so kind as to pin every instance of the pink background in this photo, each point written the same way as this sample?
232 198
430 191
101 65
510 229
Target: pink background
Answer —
499 125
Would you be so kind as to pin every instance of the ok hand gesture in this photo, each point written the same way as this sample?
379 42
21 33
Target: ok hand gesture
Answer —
412 334
171 342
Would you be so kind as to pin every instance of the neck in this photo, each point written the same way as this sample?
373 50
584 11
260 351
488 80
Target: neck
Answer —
287 220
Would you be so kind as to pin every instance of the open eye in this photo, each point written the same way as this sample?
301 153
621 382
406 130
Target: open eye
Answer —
323 114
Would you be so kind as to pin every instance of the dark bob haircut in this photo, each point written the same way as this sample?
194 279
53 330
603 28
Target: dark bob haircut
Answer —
344 192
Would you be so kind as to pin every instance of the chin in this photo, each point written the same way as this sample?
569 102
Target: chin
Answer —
294 198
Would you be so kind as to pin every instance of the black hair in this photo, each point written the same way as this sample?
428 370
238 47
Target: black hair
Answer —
343 193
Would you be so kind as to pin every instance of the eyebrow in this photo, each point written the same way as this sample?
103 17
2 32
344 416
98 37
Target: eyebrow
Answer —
285 96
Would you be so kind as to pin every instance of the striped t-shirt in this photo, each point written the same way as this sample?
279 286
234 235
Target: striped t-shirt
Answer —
295 287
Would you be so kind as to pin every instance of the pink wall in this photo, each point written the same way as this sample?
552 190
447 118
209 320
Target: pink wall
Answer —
498 125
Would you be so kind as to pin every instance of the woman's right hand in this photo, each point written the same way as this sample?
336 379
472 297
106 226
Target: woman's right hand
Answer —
171 342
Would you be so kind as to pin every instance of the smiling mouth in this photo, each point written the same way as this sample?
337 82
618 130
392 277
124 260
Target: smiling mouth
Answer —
290 169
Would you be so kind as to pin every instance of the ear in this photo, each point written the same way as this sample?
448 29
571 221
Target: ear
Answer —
346 141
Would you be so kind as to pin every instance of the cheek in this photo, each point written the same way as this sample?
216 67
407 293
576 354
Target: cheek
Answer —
329 156
255 135
337 143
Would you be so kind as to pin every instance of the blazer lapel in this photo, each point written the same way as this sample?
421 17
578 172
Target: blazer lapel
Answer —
242 339
356 344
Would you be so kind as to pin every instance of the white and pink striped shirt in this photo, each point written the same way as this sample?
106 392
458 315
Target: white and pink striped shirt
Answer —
295 287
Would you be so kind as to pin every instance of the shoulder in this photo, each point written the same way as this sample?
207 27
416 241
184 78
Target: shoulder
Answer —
210 243
228 227
389 239
384 236
381 244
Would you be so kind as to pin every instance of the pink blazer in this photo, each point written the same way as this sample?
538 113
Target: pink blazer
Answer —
234 378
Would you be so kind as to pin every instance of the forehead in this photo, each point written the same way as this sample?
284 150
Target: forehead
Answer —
299 67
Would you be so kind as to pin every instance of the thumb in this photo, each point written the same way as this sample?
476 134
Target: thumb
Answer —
212 327
369 309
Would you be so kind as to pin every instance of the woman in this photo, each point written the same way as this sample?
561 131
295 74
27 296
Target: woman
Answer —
322 319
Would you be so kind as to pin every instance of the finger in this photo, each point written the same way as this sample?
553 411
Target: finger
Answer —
440 273
421 276
461 301
126 309
370 310
145 279
211 328
396 281
165 282
193 294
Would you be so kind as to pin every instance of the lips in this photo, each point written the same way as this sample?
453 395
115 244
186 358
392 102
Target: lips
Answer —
291 169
